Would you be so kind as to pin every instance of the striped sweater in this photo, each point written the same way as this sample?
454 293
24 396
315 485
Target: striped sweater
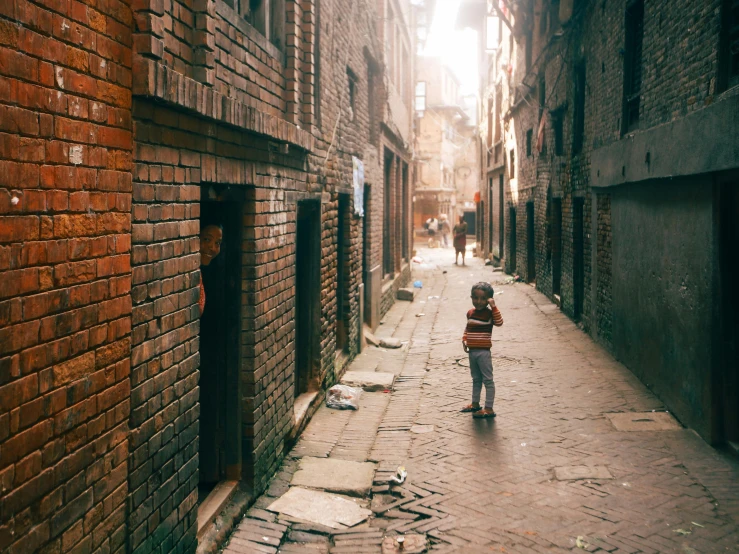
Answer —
479 330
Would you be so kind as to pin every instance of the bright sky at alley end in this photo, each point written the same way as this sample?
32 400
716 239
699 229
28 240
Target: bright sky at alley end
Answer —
457 48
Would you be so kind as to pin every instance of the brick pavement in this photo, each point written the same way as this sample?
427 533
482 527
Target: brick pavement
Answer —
489 485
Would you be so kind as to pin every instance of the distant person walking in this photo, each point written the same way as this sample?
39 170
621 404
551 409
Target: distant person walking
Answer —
432 227
460 240
445 228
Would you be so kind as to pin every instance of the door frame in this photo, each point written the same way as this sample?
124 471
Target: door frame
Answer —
307 349
234 201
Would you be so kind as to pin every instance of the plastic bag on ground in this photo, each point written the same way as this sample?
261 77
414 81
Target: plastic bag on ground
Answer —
342 397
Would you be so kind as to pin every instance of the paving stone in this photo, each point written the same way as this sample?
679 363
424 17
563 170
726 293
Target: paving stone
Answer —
369 380
572 473
645 421
420 429
335 475
331 510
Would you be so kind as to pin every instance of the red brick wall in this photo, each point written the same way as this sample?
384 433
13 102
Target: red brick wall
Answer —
65 304
112 121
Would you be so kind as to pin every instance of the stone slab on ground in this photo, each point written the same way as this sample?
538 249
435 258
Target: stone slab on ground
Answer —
644 421
332 475
406 294
331 510
573 473
421 429
391 342
369 380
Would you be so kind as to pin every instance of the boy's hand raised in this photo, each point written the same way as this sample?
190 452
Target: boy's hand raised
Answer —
491 302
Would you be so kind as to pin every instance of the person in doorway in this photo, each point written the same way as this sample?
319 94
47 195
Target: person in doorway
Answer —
460 240
432 226
445 229
211 237
477 342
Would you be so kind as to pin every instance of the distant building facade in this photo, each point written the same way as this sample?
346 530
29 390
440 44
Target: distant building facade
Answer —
446 147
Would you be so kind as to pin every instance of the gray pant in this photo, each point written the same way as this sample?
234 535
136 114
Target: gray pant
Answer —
481 369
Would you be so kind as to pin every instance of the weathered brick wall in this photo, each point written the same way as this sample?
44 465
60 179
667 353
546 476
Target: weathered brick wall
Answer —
348 44
390 293
99 337
268 338
247 66
65 304
164 377
173 161
679 76
604 299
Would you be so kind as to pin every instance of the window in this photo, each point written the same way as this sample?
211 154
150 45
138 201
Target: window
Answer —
496 122
512 168
633 65
578 115
266 16
557 121
490 122
729 50
317 77
372 103
554 17
529 136
390 43
352 82
542 104
492 33
420 97
542 94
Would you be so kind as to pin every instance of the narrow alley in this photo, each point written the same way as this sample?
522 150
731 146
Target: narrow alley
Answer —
580 456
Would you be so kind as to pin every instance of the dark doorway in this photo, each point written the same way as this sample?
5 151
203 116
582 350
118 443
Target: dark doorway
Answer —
342 294
578 268
530 244
481 218
387 252
729 271
470 218
220 334
307 290
366 234
490 217
367 251
404 218
501 213
557 246
512 240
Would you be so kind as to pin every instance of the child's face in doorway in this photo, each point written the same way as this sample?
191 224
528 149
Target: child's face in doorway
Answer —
210 244
479 299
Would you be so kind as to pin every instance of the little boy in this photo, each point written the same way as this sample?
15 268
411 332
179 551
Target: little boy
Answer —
477 340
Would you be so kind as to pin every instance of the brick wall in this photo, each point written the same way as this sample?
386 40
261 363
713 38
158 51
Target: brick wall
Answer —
679 79
114 126
65 304
604 298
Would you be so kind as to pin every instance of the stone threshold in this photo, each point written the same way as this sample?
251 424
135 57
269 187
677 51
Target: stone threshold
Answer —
305 405
214 503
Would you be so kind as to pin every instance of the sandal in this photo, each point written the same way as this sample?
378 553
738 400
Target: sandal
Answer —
484 414
470 408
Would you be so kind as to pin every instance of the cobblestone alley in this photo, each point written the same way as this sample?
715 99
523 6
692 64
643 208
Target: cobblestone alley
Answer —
551 473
